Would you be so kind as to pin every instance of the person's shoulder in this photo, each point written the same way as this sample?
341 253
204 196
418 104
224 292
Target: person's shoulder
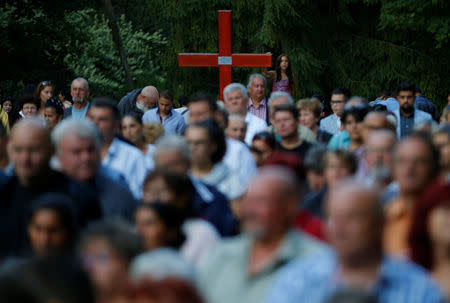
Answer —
404 272
130 96
422 115
307 244
251 118
131 150
201 228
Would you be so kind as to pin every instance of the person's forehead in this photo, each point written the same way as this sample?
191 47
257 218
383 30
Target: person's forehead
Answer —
100 111
350 199
412 148
199 106
279 101
78 84
375 120
257 81
236 122
405 93
164 100
236 93
337 97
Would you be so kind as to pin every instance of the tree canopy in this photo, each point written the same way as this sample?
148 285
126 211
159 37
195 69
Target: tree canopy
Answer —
363 45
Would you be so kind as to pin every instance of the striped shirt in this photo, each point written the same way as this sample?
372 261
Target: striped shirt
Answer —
316 279
260 111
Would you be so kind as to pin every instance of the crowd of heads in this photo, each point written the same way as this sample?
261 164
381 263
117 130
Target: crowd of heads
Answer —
117 203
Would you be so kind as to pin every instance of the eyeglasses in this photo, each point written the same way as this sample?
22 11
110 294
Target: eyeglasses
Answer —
31 107
44 83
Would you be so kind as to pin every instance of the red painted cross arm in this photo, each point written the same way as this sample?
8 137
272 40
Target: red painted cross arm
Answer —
197 59
248 60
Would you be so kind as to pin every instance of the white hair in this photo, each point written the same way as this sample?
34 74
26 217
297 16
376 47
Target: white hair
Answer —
147 91
253 76
84 129
277 95
172 144
233 87
81 79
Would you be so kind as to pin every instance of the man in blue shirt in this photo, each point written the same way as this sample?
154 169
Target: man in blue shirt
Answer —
355 229
80 92
128 160
172 121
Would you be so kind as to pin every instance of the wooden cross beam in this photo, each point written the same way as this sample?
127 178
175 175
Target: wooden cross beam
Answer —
225 60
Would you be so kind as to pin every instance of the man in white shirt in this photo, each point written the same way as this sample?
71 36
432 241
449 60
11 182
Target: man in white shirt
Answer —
116 154
236 101
237 157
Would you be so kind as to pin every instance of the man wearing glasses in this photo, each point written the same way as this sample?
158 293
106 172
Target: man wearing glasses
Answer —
332 123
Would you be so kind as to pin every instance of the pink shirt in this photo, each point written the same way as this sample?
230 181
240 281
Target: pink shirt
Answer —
260 111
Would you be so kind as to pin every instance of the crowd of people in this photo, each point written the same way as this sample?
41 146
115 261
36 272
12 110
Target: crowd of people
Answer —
248 199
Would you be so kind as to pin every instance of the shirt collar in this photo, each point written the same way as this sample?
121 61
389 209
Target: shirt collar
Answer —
170 114
262 104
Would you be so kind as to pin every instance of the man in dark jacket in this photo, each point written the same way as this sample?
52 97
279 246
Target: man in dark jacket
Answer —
30 150
138 101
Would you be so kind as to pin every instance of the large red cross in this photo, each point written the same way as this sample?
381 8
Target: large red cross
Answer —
224 59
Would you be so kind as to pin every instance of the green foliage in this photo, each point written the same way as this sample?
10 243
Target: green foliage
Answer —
364 45
94 56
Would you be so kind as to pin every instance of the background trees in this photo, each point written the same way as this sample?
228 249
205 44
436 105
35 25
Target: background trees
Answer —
364 45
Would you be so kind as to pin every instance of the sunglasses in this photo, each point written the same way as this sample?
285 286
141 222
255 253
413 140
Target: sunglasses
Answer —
44 83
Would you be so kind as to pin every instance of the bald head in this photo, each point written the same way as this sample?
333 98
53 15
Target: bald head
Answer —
147 98
270 204
29 149
355 218
374 121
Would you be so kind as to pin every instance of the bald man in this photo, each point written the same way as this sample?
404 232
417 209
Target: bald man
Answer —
372 121
29 150
138 101
254 258
355 232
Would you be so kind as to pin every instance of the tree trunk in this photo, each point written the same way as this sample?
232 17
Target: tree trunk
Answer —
118 41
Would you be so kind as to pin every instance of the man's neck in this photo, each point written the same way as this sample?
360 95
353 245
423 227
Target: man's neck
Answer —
257 101
361 272
163 115
291 142
36 181
263 252
80 106
201 169
406 114
441 257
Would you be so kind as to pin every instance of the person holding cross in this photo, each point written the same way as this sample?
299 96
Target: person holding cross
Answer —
236 101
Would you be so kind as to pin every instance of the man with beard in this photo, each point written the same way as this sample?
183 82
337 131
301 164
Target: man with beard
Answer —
80 92
254 258
138 101
406 115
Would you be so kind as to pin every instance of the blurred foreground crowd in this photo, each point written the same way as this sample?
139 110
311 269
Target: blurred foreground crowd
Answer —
249 199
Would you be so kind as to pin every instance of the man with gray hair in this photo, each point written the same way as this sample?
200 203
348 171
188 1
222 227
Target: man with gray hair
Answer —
172 154
236 101
138 101
281 98
257 104
78 144
80 92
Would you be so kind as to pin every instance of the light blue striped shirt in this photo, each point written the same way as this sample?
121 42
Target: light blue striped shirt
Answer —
314 280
